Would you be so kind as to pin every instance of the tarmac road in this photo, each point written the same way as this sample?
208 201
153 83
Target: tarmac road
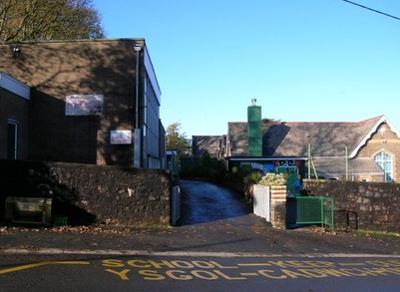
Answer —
204 273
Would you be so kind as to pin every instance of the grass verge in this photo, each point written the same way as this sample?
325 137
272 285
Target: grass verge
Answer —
377 234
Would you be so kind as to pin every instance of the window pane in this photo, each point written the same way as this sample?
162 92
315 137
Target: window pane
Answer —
378 157
384 160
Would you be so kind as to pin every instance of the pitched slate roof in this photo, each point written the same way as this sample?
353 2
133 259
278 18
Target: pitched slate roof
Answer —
214 145
328 167
292 138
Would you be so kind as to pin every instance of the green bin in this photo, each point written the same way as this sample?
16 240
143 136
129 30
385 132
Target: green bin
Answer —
60 220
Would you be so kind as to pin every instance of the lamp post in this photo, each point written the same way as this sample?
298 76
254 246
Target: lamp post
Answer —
137 135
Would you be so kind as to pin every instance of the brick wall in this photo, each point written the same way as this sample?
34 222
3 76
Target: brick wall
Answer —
58 69
278 206
377 204
384 140
109 194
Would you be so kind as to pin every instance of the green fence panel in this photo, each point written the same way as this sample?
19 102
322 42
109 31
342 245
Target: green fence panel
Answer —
315 210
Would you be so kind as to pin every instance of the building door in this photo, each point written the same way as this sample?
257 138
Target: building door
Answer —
12 140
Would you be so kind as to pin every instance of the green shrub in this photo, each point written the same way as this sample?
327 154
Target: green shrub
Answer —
253 178
273 179
204 167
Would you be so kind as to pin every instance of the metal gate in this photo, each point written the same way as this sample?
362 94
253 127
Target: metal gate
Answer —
261 201
315 210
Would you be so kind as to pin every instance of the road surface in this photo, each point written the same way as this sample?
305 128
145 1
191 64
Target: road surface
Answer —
204 273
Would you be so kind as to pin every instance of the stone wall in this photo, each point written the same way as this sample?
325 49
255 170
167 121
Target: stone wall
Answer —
90 193
377 204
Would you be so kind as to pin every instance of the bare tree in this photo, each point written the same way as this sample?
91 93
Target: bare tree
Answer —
22 20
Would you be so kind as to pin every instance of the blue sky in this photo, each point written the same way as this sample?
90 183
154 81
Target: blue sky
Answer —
304 60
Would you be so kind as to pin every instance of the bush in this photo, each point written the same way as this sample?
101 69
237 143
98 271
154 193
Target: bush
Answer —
273 179
205 167
253 178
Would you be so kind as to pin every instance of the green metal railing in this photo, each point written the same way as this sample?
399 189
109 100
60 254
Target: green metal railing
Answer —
315 210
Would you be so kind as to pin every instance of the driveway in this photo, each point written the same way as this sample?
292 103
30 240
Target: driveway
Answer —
206 202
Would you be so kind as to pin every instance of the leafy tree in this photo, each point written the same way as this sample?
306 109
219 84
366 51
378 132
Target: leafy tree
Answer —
175 140
22 20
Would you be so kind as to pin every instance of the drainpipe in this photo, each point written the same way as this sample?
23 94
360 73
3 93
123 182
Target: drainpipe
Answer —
137 49
309 161
137 162
347 162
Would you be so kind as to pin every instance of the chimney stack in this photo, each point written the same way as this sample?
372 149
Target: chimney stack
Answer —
254 132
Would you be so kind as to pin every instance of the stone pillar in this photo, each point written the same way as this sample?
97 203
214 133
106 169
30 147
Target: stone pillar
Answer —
278 206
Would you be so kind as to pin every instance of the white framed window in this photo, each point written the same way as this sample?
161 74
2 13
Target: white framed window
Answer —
384 160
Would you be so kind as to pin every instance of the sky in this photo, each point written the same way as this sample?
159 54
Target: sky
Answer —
303 60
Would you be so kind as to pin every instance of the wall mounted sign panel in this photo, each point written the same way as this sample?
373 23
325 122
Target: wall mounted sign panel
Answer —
121 137
83 104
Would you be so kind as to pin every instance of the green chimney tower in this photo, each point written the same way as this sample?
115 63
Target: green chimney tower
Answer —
254 134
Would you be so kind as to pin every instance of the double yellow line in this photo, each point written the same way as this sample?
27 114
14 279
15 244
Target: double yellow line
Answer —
36 265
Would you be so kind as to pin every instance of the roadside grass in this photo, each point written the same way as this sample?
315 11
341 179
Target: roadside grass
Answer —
359 232
376 234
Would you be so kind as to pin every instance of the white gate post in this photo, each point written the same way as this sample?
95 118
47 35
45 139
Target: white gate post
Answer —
261 201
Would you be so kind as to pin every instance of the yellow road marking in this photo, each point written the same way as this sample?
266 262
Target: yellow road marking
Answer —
20 268
254 265
249 274
31 266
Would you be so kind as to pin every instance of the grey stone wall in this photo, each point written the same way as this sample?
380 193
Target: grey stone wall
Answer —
377 204
103 194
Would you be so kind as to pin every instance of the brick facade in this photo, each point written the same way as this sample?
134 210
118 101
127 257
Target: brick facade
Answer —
384 139
55 70
278 206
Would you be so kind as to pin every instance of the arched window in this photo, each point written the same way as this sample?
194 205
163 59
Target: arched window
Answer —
384 160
